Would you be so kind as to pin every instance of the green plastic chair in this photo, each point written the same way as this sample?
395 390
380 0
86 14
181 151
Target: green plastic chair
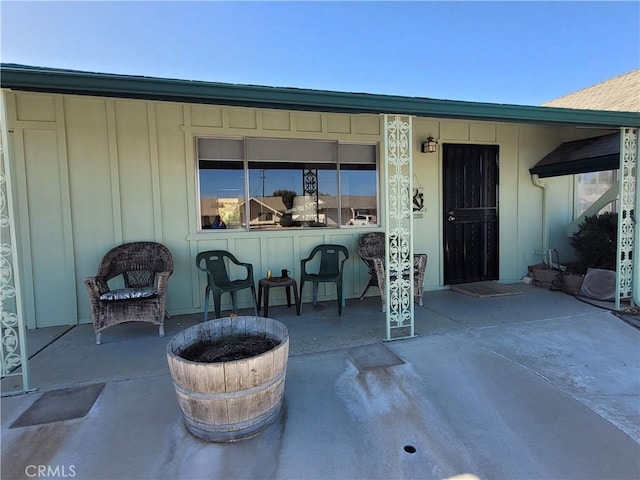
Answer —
332 258
214 263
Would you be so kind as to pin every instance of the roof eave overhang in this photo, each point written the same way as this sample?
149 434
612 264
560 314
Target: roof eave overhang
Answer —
37 79
593 164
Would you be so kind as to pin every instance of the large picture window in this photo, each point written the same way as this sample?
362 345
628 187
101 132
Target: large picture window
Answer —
286 183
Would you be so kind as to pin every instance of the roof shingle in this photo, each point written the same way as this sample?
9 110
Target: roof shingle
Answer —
619 94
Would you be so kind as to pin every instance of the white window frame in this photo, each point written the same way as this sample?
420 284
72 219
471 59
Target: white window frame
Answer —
249 142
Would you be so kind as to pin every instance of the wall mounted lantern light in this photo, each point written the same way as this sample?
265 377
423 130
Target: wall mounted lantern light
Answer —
429 145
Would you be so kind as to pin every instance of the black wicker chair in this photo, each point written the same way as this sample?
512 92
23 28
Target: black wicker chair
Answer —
371 249
145 268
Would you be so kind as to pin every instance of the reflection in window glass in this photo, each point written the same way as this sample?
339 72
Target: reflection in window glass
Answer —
358 188
589 187
292 183
358 184
292 195
221 193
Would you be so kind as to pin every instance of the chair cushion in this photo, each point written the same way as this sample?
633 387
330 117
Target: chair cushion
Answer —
129 293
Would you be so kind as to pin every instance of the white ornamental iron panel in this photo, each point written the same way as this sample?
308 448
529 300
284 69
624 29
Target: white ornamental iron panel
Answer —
626 213
13 352
310 190
398 175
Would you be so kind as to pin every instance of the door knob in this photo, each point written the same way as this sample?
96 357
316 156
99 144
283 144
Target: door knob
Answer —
451 218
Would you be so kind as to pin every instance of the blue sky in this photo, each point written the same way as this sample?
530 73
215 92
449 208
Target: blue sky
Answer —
504 52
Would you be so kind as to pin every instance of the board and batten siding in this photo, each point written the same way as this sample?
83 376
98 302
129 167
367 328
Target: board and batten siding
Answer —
94 172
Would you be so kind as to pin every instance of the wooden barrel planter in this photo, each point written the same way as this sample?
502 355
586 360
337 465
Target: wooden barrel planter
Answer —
230 400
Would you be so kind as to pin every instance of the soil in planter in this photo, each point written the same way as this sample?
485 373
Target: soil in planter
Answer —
233 347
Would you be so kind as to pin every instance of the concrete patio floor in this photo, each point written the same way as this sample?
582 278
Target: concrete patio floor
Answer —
531 386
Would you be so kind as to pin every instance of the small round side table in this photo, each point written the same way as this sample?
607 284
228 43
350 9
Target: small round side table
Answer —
264 284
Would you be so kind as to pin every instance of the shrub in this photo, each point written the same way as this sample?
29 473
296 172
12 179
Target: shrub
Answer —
596 242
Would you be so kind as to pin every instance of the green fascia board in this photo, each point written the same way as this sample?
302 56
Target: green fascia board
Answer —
593 164
52 80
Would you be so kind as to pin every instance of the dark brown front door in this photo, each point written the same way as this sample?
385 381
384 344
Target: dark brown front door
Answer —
470 213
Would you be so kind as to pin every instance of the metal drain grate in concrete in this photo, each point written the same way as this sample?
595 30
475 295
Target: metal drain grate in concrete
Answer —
59 405
376 355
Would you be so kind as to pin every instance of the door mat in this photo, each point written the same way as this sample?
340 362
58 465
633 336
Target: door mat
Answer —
486 289
376 355
59 405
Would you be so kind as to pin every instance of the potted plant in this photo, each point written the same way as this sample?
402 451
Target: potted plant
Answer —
229 376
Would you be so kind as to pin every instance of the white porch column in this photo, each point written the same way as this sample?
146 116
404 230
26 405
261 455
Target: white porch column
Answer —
13 353
628 263
398 175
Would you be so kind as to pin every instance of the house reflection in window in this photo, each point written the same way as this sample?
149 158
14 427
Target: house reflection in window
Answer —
280 194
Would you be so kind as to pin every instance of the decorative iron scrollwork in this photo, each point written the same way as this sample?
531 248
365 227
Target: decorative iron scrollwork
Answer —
628 185
12 351
399 221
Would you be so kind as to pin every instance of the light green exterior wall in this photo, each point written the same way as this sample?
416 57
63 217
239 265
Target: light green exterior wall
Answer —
94 172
